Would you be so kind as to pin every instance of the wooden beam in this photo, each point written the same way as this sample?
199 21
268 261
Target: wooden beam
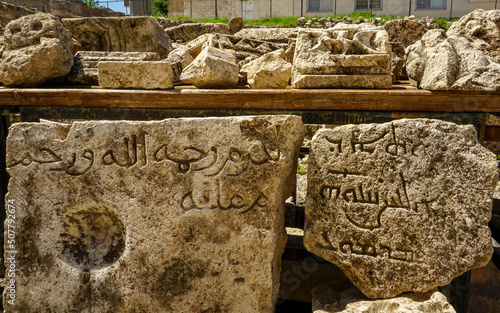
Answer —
399 98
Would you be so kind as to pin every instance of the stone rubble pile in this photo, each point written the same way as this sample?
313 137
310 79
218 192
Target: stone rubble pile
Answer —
466 57
323 53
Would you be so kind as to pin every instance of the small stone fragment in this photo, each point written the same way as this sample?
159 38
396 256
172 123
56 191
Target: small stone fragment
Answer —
37 48
401 206
179 215
329 298
135 74
126 34
270 71
191 31
236 24
178 59
85 72
212 68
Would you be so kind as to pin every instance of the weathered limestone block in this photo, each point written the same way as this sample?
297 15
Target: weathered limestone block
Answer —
276 35
85 72
328 298
482 29
328 58
178 59
126 34
37 48
235 24
10 12
401 206
180 215
191 31
135 74
441 62
402 33
270 71
212 68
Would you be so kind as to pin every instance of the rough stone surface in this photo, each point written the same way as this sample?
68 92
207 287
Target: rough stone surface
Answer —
402 33
328 298
178 59
85 72
277 35
270 71
440 62
9 12
126 34
212 68
191 31
181 215
135 74
482 28
340 53
37 48
235 24
401 206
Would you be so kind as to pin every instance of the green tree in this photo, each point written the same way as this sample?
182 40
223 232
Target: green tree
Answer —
93 4
160 7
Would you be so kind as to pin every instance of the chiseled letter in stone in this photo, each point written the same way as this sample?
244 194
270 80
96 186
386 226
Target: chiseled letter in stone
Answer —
180 215
401 206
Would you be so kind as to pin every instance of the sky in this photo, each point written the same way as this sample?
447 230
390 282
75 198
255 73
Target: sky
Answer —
115 5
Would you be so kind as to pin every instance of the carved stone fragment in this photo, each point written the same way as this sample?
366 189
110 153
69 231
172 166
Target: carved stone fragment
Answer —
85 72
401 206
331 298
178 59
191 31
179 215
333 58
270 71
212 68
127 34
37 48
136 74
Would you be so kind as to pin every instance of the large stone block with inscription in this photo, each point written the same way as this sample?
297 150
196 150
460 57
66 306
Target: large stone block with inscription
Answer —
401 206
180 215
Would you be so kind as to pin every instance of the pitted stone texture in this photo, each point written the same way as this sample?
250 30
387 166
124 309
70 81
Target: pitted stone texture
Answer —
191 31
441 62
37 48
277 35
135 74
126 34
328 298
212 68
401 206
482 28
9 12
340 53
270 71
180 215
85 72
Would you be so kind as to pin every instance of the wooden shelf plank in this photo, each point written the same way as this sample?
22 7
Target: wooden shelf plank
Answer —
399 98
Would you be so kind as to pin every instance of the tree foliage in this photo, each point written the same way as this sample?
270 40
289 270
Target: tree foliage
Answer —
93 4
160 7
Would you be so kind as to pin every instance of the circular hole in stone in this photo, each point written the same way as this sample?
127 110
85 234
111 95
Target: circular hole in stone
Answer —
92 238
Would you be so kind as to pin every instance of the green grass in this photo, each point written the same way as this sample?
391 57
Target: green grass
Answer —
291 21
301 170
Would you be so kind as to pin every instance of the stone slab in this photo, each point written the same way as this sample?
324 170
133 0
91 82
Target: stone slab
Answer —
341 81
136 74
401 206
85 71
332 298
179 215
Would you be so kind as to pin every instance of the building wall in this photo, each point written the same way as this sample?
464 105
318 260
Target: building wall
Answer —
256 9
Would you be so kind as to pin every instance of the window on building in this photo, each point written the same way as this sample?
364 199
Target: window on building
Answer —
320 6
368 5
431 4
